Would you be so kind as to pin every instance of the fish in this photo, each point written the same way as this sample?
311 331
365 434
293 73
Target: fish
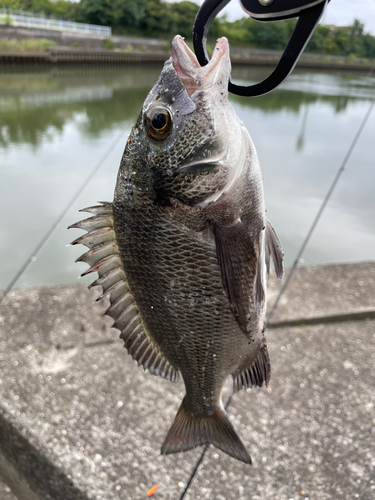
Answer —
183 252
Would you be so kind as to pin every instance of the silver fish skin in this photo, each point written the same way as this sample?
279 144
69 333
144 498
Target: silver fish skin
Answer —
184 250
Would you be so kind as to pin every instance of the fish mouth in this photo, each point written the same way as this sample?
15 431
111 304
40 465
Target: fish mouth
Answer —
196 77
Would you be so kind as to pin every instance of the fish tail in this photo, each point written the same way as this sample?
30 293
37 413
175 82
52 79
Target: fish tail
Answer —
189 431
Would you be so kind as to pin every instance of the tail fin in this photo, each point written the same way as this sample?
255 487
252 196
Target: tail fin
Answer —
189 431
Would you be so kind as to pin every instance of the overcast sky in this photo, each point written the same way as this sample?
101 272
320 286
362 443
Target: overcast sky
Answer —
339 12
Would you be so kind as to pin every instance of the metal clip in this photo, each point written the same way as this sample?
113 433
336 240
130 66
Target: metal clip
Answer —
309 13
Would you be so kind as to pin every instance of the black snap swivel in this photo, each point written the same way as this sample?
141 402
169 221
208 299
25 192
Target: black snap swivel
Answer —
309 13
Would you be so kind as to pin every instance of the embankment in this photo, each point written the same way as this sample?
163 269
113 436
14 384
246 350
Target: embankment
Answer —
76 48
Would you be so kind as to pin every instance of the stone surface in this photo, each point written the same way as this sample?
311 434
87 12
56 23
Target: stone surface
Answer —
320 291
5 492
80 420
312 431
59 316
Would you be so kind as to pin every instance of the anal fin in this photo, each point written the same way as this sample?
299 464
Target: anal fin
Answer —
254 375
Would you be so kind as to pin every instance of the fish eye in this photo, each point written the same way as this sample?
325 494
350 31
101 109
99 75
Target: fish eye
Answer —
158 122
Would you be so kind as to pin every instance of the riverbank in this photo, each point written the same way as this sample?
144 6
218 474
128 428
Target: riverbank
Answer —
79 419
74 48
239 57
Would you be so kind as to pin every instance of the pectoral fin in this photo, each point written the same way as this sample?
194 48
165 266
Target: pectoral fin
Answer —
241 271
274 250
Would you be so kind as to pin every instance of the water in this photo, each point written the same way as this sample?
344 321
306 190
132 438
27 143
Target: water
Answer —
56 125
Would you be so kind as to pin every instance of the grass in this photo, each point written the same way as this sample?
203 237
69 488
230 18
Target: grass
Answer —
128 48
108 44
32 45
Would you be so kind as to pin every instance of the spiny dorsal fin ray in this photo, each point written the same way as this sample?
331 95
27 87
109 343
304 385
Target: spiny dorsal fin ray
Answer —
104 265
105 208
109 279
256 374
274 250
93 223
103 257
94 238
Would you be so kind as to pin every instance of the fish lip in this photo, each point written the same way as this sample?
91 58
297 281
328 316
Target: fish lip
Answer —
195 77
184 60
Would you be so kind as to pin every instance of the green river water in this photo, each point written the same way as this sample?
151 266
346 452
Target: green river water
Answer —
57 125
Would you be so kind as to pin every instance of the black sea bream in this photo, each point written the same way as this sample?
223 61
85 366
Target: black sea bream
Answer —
184 250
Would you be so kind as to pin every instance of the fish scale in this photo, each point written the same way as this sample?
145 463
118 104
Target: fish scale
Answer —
194 306
183 251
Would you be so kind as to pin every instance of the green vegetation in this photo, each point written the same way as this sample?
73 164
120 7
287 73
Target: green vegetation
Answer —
162 19
61 8
108 44
32 45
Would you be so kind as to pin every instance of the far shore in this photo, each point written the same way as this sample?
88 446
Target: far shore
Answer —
239 57
20 46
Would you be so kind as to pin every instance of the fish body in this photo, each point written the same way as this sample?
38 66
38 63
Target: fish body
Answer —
183 251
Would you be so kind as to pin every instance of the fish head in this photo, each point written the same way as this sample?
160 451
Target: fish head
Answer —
188 141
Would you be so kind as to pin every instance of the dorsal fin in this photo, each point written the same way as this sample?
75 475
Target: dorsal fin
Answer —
103 258
274 250
255 374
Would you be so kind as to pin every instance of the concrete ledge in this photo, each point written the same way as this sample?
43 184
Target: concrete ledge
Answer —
312 434
66 38
80 420
6 492
320 293
64 56
318 320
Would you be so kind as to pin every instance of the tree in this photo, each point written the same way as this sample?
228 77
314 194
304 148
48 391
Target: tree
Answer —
156 20
115 13
182 16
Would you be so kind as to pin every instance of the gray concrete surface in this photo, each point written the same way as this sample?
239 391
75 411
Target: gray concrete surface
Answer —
6 492
318 293
79 420
313 430
69 39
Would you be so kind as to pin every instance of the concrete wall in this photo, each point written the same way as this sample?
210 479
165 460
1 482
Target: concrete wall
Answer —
89 49
68 39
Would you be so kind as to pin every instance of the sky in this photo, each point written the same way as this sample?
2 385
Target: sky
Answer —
338 12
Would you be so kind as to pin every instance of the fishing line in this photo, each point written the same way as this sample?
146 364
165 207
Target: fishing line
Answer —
322 207
199 461
304 244
325 201
59 218
193 472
